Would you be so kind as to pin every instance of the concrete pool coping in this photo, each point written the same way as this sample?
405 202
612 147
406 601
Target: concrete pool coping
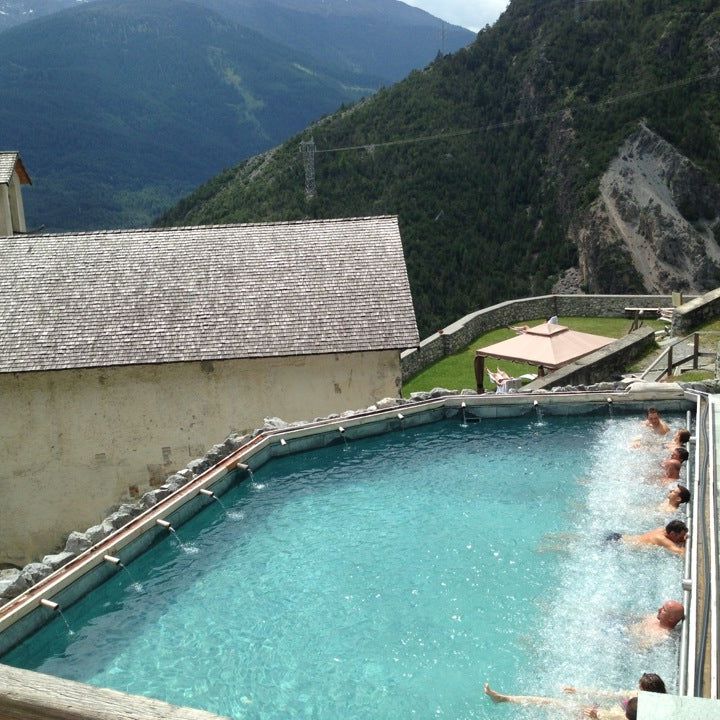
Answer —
23 615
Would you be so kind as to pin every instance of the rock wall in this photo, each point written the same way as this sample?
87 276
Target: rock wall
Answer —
655 225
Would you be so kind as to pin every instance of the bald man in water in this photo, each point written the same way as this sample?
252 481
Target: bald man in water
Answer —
653 629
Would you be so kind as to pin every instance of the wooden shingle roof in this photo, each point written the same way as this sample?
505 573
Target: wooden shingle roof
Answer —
9 162
131 297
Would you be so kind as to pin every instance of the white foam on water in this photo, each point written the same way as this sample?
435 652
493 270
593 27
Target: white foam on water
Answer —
606 586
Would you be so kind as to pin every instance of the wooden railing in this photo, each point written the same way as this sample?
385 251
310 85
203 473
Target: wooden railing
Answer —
669 363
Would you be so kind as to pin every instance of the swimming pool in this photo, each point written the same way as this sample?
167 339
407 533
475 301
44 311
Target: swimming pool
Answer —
389 577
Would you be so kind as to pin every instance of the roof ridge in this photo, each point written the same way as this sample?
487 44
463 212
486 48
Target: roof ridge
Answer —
187 228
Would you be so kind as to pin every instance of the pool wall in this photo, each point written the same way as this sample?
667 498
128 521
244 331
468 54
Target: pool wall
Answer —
25 614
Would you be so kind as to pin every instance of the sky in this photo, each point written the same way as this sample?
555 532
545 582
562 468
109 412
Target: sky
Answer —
473 14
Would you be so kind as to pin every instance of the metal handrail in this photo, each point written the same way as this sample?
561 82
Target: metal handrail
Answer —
713 552
704 445
687 582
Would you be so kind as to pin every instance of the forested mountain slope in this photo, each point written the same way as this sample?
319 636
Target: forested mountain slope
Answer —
492 157
120 107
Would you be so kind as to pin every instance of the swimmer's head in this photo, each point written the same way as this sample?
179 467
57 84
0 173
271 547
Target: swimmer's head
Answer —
680 453
631 709
676 530
670 613
650 682
682 436
679 494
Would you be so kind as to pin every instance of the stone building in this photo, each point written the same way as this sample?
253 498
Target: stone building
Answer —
12 176
124 354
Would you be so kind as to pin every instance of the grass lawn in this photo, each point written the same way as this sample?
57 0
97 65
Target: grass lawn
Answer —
458 371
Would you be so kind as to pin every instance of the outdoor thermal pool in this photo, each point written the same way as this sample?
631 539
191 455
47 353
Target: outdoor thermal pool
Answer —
390 577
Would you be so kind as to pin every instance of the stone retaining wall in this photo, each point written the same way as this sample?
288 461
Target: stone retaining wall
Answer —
600 365
695 312
461 333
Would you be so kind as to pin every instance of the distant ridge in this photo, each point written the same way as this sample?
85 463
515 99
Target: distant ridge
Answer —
120 107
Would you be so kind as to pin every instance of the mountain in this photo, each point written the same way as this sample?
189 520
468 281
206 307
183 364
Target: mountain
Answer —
500 159
385 38
381 38
121 107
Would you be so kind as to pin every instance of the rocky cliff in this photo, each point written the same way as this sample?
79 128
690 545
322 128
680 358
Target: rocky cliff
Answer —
655 226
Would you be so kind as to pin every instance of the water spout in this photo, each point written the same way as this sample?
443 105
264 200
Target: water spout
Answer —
610 406
538 410
463 407
213 496
164 524
55 607
112 560
247 469
283 442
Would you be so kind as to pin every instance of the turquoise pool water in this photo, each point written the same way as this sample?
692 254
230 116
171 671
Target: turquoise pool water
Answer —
390 578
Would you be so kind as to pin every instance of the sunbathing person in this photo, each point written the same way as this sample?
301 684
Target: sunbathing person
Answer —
676 497
500 378
654 629
672 537
672 465
655 422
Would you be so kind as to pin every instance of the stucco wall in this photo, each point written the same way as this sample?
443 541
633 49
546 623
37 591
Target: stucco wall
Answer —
73 442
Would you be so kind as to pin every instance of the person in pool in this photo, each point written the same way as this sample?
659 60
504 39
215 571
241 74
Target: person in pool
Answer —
650 682
654 629
680 439
654 422
676 497
672 537
671 466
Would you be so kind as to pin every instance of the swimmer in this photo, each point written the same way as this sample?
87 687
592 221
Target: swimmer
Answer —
672 465
629 714
676 497
654 629
654 422
680 439
650 682
672 537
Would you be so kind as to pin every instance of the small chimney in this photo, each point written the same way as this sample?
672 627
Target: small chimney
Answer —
12 176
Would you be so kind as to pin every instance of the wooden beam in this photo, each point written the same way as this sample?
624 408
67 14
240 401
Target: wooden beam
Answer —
27 695
479 372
